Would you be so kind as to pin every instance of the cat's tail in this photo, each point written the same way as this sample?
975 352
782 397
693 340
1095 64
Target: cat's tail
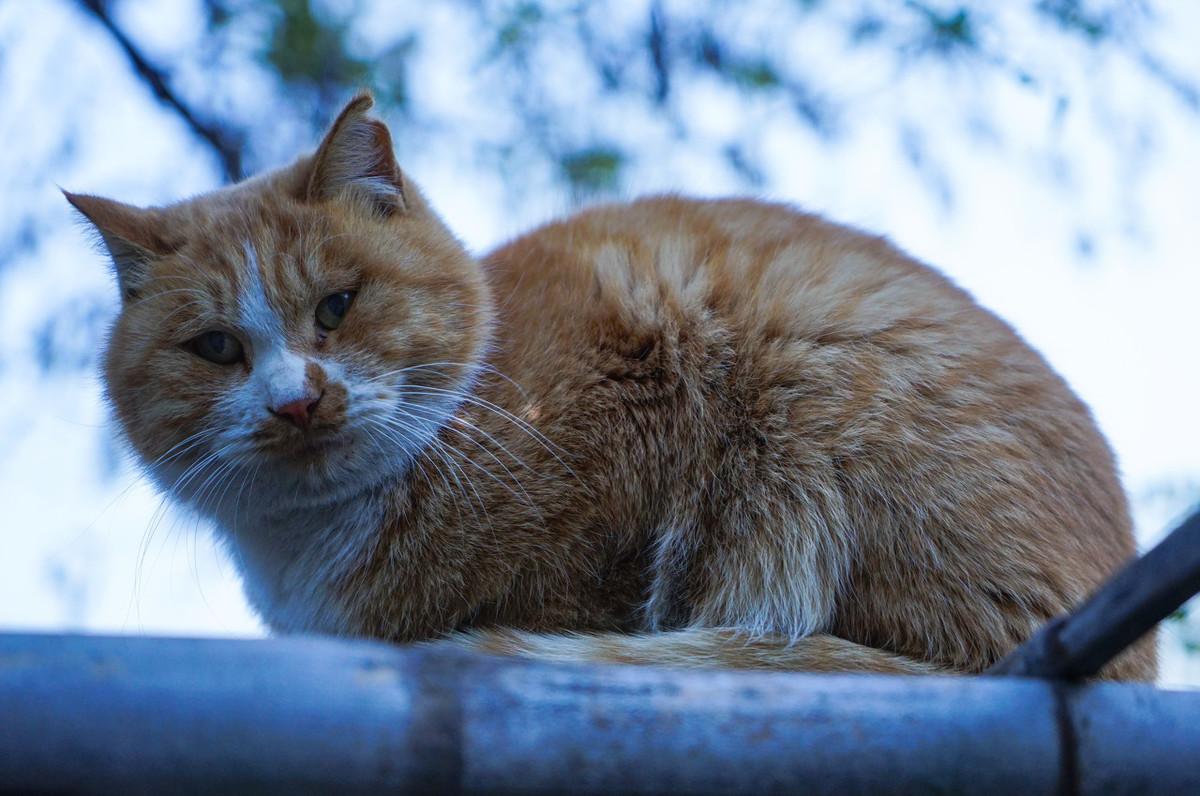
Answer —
696 648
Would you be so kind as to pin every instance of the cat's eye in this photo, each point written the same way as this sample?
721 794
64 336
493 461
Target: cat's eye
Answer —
332 310
220 347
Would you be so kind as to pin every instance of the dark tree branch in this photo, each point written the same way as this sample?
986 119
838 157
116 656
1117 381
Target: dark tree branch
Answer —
222 142
1120 612
657 41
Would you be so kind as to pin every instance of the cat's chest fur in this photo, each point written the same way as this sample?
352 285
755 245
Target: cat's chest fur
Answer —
292 561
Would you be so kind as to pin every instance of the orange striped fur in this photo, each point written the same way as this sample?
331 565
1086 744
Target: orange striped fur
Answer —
694 433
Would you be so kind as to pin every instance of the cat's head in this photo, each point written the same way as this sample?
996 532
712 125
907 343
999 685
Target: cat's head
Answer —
303 333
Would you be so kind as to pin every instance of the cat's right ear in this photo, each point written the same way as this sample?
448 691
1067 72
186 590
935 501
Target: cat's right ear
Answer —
356 161
130 234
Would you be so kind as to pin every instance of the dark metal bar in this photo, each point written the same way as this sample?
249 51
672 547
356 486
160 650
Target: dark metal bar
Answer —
1121 611
139 715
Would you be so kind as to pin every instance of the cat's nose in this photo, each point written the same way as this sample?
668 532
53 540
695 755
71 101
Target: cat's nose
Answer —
298 412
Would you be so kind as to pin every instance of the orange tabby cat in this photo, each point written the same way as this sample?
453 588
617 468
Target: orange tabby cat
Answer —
671 431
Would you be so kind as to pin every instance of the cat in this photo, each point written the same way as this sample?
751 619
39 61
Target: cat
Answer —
670 431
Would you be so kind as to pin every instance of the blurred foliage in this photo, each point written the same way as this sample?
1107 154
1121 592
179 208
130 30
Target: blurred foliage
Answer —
309 48
539 58
595 169
66 339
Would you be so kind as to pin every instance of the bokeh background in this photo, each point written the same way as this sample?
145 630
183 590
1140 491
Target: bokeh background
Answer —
1045 155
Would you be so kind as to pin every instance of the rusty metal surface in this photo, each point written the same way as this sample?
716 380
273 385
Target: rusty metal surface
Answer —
143 715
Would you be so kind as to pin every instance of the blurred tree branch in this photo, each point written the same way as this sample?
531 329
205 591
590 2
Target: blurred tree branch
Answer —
225 144
644 64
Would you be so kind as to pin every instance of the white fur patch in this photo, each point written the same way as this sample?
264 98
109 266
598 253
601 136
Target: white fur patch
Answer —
278 375
259 321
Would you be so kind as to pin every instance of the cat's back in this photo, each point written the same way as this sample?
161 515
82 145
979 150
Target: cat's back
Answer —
824 399
755 264
776 316
764 278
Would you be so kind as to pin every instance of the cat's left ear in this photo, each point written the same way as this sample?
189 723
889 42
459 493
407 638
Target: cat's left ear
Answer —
131 235
356 160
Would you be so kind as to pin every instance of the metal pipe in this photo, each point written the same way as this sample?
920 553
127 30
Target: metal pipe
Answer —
142 715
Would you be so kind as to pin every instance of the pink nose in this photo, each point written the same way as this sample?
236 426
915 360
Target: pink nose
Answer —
298 412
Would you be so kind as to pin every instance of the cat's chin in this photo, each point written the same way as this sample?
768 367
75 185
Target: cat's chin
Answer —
327 471
310 451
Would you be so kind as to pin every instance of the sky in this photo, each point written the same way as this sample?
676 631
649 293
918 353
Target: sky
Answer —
88 545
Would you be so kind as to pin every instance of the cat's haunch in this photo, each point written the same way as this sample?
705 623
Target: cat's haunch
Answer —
697 433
